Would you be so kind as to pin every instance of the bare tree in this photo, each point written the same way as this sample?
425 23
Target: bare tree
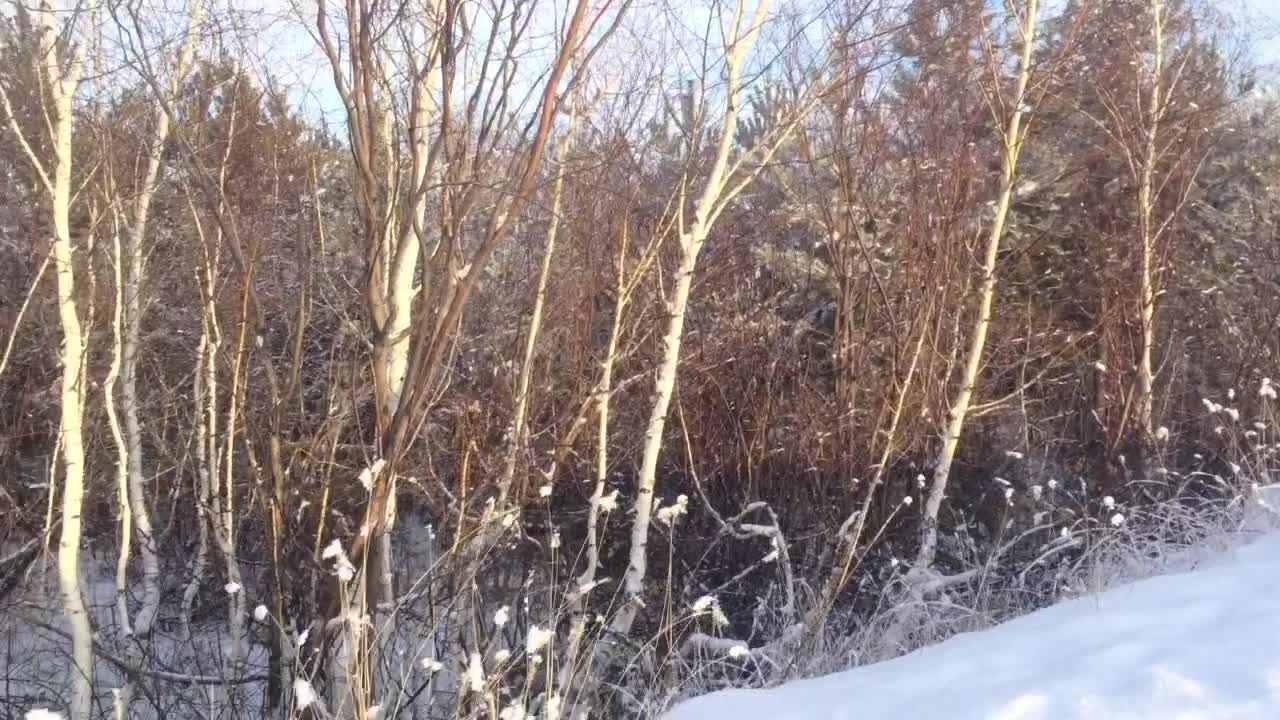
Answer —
59 73
1014 133
721 186
519 415
471 136
1146 231
135 278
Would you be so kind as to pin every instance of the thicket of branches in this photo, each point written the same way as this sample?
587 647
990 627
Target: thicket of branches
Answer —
605 351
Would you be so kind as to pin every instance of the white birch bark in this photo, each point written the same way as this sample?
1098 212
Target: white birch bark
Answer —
206 406
225 504
203 475
134 279
519 414
404 260
692 238
1014 134
117 435
1146 230
59 74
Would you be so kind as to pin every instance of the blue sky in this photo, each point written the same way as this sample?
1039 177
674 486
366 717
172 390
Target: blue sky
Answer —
291 55
1264 21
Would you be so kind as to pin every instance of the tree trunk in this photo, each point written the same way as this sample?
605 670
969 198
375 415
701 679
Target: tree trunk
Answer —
61 86
117 436
134 279
1147 293
1013 137
692 239
520 412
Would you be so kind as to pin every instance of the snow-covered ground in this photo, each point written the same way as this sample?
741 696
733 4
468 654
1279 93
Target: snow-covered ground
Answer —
1198 645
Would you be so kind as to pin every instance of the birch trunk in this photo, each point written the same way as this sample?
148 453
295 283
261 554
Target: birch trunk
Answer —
203 475
571 675
60 84
1147 307
1013 137
134 279
603 392
518 429
404 261
854 525
398 283
692 239
227 530
117 435
206 406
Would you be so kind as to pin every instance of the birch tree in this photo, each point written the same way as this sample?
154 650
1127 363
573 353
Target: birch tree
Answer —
129 277
600 504
134 248
1179 152
58 70
1013 135
476 130
393 224
719 189
518 421
1150 101
1146 230
477 124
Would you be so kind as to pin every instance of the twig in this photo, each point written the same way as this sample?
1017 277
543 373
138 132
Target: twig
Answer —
134 670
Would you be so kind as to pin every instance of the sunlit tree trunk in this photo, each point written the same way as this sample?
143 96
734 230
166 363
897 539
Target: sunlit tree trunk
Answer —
520 412
1014 134
123 509
854 525
205 393
226 516
401 290
1147 232
572 675
134 279
59 74
227 499
692 238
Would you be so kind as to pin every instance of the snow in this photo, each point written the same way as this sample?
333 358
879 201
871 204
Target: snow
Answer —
1199 645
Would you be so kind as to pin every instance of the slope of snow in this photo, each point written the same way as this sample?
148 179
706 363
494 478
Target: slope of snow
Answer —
1200 645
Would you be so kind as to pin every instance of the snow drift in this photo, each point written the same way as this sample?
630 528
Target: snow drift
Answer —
1202 644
